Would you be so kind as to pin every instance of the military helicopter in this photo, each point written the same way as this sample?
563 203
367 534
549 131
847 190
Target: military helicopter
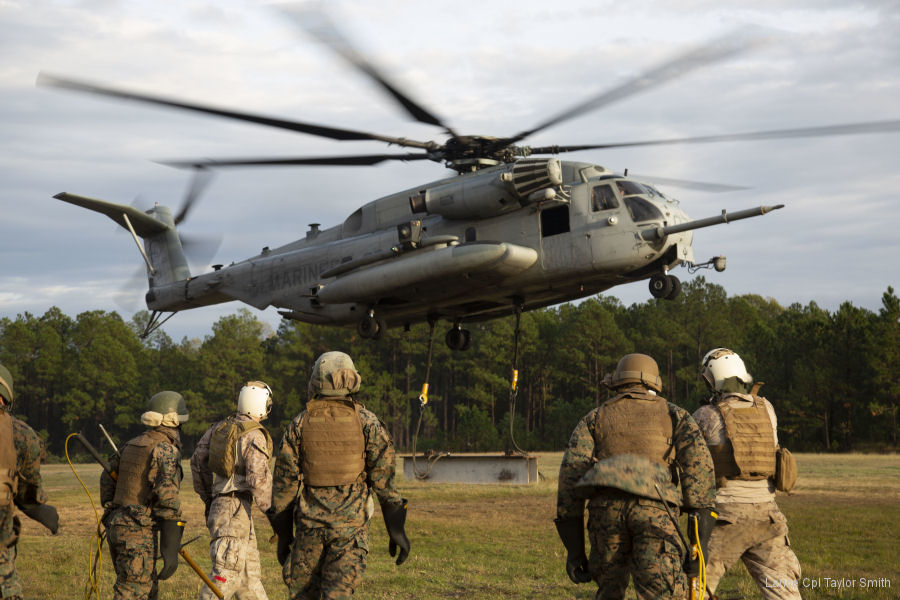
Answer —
510 231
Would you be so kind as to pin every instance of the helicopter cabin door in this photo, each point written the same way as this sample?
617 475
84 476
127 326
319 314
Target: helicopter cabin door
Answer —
564 248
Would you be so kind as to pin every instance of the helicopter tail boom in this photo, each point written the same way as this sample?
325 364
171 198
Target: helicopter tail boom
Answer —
162 249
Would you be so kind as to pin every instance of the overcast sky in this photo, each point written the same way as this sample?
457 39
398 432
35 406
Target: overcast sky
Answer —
492 68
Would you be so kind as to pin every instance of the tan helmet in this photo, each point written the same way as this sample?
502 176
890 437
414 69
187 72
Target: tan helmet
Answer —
165 408
636 368
721 364
334 375
6 386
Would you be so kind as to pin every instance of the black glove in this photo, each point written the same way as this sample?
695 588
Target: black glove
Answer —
283 525
395 522
700 524
44 514
169 544
571 532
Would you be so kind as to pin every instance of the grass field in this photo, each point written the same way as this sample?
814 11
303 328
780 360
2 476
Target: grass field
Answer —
495 541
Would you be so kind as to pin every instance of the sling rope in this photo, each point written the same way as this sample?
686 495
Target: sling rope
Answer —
95 555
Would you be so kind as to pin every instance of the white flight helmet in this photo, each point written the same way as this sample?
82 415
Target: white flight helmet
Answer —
720 364
255 400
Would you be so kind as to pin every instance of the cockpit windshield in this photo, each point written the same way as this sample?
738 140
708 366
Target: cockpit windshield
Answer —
630 188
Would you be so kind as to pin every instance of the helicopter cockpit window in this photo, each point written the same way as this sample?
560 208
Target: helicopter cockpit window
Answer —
642 210
630 188
603 198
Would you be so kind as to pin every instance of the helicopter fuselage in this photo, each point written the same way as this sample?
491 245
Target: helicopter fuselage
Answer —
479 245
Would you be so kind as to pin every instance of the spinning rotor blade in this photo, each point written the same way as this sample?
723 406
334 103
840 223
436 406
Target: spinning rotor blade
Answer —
359 160
719 49
313 129
315 22
688 184
202 177
823 131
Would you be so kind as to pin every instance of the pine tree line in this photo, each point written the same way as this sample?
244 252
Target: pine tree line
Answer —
833 376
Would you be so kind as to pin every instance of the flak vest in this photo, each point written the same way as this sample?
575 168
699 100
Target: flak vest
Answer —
132 485
749 452
9 482
223 446
635 423
332 442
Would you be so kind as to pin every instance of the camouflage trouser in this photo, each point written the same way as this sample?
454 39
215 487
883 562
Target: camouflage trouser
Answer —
233 551
634 536
758 535
326 564
133 550
10 585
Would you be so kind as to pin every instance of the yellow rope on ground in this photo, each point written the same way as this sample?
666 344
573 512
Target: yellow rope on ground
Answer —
95 555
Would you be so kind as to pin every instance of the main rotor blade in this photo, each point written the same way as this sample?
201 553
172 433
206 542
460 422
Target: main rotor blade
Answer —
316 23
313 129
363 159
688 184
719 49
822 131
201 179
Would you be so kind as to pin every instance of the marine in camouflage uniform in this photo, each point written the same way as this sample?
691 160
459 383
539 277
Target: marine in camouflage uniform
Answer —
750 526
142 501
326 494
229 480
21 452
620 459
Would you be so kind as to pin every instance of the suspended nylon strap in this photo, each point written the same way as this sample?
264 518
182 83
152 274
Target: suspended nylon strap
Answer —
423 400
513 386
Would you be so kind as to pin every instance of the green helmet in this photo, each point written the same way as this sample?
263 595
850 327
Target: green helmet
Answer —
334 375
636 368
6 386
165 408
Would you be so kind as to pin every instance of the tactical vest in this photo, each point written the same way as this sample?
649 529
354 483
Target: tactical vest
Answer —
132 485
634 423
223 443
749 452
9 482
332 442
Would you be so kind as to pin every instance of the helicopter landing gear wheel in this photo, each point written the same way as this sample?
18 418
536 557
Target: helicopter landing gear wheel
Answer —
676 287
369 327
458 338
661 286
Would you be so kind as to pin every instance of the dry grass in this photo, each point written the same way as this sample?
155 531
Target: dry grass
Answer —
494 541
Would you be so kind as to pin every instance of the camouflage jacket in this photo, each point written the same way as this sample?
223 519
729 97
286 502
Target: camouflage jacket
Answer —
165 481
340 506
692 460
252 453
29 455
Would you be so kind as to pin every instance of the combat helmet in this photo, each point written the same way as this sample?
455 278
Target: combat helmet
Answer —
255 400
723 367
635 368
165 408
6 386
334 375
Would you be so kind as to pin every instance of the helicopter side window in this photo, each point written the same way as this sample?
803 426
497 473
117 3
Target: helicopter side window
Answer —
470 234
603 198
642 210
